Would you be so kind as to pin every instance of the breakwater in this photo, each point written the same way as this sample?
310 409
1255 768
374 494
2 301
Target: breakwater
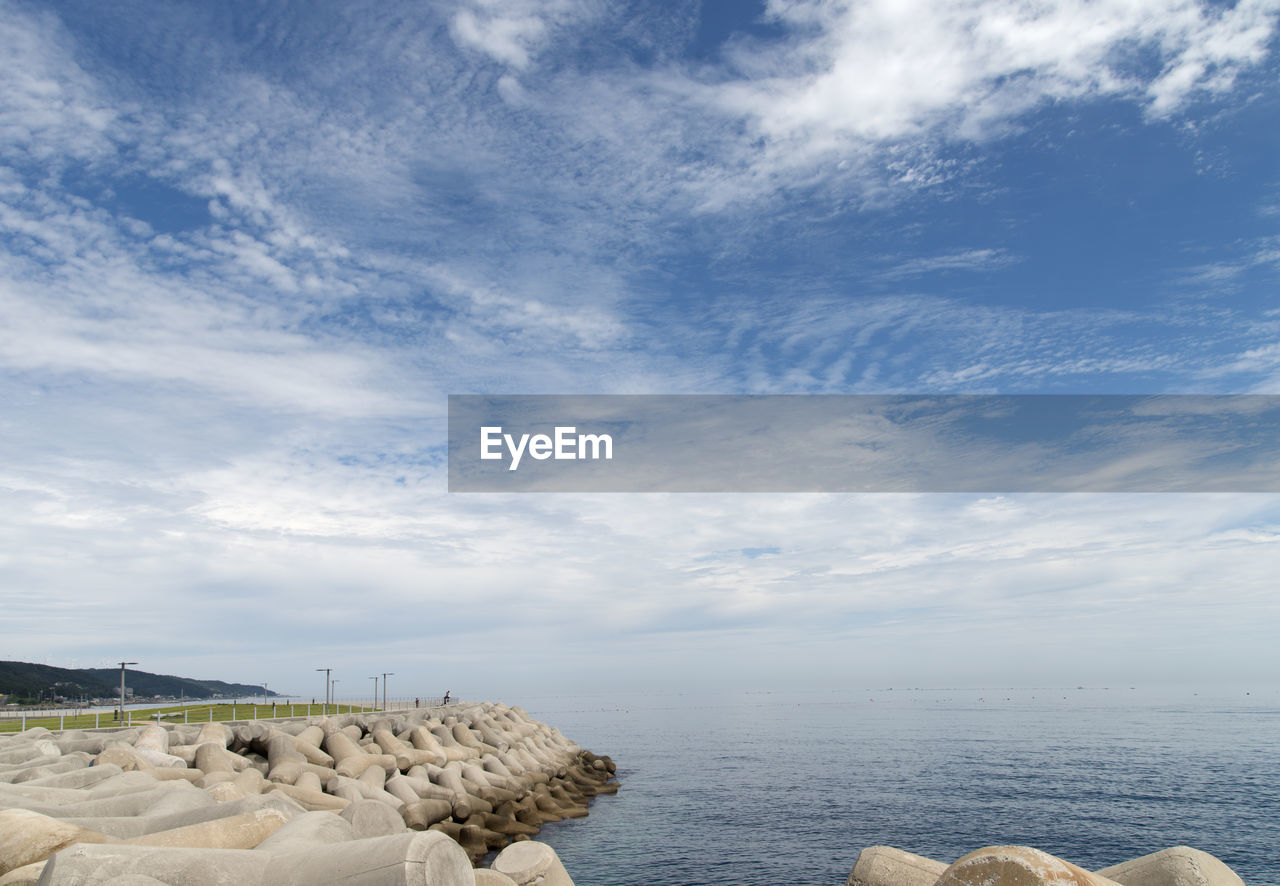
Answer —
378 798
413 797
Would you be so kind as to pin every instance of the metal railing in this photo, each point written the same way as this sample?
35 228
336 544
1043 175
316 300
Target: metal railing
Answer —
59 719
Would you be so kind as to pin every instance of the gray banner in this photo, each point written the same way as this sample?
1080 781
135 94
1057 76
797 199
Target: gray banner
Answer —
890 443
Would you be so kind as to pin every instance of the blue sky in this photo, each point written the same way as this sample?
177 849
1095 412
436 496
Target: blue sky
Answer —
248 249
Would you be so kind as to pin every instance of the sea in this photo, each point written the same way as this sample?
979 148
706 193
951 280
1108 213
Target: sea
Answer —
786 787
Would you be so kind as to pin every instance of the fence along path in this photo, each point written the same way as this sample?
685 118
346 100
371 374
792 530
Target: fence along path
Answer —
215 712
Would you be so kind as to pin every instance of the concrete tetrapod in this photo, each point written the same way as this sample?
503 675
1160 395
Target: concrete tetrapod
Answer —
311 800
79 778
1176 866
1017 866
20 753
28 751
91 865
27 875
48 767
243 831
125 757
414 859
532 864
369 818
27 837
886 866
421 814
422 739
351 759
33 796
484 877
420 858
154 738
225 792
38 765
309 829
130 827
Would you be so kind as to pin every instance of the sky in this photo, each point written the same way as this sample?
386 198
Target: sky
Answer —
247 250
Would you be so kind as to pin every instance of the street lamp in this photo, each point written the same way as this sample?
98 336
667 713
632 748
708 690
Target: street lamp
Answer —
264 693
334 683
123 664
375 692
384 689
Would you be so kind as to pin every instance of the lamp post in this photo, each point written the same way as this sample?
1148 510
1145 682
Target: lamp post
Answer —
264 693
375 692
384 689
334 683
324 710
123 665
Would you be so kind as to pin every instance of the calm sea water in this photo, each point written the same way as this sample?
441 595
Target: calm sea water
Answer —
786 788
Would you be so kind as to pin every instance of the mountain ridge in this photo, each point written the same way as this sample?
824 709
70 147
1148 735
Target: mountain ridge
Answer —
28 680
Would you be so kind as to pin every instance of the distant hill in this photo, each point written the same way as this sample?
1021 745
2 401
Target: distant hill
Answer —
22 680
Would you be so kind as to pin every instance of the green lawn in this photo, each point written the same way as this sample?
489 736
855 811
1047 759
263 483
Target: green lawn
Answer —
220 712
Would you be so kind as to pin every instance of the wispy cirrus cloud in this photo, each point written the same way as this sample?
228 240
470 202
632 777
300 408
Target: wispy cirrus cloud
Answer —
273 228
961 260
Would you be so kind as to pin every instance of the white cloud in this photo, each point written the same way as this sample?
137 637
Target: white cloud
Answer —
513 31
504 37
885 69
50 108
959 260
861 101
1261 360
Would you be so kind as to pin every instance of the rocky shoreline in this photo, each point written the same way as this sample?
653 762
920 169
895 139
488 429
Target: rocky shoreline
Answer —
361 798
